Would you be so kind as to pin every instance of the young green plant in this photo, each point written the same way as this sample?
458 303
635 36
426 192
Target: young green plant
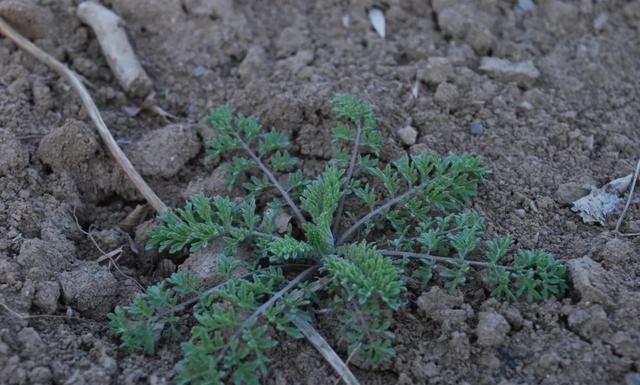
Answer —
360 232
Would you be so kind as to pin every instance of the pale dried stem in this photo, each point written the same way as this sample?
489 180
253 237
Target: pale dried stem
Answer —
327 352
626 206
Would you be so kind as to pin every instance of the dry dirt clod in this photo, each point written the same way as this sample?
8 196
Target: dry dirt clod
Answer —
203 264
38 253
90 289
446 94
40 375
32 20
210 185
569 192
625 344
524 73
15 156
618 251
47 296
69 147
30 341
162 152
442 307
408 135
590 280
492 328
436 71
591 322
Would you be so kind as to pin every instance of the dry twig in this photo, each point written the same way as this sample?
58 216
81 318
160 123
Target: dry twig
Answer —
325 350
626 206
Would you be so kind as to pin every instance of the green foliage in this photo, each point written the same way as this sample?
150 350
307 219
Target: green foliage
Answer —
349 226
150 316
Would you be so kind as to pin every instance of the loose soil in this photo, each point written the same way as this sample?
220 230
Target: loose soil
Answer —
544 137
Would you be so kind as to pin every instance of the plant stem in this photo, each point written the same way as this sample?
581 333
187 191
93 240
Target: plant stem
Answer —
210 290
262 308
379 210
347 184
296 211
450 260
264 235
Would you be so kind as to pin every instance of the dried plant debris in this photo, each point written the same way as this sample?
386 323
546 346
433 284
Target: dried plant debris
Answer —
602 201
376 17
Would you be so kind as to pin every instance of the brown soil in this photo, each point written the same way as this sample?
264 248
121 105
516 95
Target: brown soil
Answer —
543 137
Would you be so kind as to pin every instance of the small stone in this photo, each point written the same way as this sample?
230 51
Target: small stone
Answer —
199 71
600 21
47 296
618 251
569 192
436 71
525 106
492 328
476 128
521 213
446 94
524 73
408 135
524 7
632 379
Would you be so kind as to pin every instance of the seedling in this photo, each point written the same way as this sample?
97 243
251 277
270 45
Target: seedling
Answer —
360 232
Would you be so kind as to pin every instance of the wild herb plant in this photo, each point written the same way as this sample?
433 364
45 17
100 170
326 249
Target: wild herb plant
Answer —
355 230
